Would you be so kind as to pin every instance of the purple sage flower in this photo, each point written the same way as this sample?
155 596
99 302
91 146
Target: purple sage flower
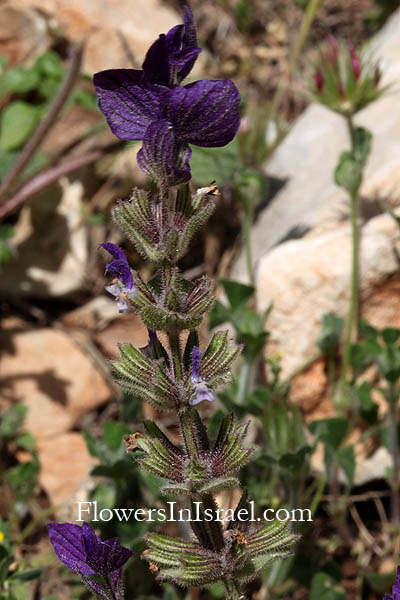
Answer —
149 105
123 286
201 390
395 589
81 550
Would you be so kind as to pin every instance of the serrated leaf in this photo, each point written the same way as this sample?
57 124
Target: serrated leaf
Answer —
113 434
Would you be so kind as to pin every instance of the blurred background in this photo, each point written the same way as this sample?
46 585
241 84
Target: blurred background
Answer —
281 232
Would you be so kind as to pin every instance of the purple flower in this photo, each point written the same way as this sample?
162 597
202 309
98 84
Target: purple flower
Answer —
81 550
201 390
123 286
395 589
149 105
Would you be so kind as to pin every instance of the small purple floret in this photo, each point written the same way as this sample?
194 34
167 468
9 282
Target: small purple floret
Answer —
201 390
395 589
149 105
123 287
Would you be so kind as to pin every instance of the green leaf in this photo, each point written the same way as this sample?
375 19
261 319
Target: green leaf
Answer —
368 408
5 561
219 314
323 588
216 164
346 459
362 144
331 431
348 173
390 335
12 420
17 123
237 293
379 583
331 331
85 98
23 478
19 80
113 434
50 64
25 575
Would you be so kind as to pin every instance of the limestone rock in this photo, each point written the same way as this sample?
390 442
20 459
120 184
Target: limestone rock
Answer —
50 245
49 373
308 278
67 452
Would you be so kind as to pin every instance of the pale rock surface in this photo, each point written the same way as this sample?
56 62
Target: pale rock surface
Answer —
307 278
304 162
67 453
50 245
47 371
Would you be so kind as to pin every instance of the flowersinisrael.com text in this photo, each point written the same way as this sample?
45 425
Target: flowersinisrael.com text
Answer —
172 513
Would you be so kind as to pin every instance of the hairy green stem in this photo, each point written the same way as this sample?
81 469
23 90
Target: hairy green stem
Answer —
353 317
232 592
353 308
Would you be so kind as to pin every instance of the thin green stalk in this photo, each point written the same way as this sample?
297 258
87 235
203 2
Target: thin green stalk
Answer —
247 224
231 590
353 317
352 321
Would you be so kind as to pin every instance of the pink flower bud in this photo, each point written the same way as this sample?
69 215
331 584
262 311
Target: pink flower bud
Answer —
319 81
333 50
355 61
377 77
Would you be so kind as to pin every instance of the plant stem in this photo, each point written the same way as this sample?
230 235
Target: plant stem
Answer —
353 317
232 592
394 449
247 223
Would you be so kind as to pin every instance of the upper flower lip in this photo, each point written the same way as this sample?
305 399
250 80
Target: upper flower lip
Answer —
171 58
119 266
150 105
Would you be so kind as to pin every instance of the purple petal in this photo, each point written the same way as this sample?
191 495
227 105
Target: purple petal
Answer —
68 545
114 250
104 557
190 35
196 359
161 157
156 66
127 103
204 113
119 266
184 61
